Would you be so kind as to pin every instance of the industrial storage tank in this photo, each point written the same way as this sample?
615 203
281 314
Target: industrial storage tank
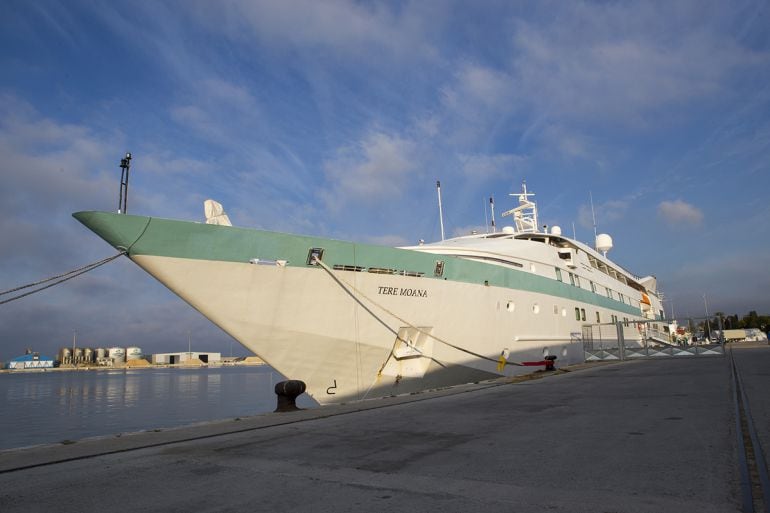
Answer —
133 353
77 355
88 355
65 355
100 353
117 354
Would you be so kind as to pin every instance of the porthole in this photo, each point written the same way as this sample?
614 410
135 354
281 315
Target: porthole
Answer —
536 308
564 312
511 306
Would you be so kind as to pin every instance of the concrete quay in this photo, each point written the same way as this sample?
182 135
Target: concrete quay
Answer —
640 436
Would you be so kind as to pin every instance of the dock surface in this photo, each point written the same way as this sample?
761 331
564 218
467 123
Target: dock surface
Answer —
640 436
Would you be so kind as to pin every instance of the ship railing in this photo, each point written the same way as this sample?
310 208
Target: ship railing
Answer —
625 340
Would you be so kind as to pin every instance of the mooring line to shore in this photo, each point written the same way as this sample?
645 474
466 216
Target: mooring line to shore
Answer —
341 281
755 485
60 278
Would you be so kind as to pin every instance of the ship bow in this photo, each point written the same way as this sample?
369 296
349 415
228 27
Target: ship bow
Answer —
119 230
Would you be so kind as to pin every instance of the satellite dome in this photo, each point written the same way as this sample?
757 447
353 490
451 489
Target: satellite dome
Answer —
508 229
603 242
555 230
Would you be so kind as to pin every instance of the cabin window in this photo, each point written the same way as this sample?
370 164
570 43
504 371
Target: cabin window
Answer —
558 273
555 309
438 270
598 317
593 287
511 306
535 308
622 299
315 255
577 280
582 314
609 293
577 313
572 278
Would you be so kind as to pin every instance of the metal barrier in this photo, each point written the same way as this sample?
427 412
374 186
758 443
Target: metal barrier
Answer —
626 340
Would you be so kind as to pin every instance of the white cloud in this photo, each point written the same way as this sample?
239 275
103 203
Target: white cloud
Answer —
623 62
484 85
378 169
484 167
680 212
606 213
346 27
219 112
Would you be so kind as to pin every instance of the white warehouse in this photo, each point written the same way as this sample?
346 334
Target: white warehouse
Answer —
186 358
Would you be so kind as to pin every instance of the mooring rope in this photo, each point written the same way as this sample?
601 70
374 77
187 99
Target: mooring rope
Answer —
60 278
404 321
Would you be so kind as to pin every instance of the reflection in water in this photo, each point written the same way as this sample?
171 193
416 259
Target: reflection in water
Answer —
69 405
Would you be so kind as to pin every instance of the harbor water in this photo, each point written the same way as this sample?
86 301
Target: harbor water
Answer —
64 406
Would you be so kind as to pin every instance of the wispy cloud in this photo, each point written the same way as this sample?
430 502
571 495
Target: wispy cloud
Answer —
680 212
350 28
374 171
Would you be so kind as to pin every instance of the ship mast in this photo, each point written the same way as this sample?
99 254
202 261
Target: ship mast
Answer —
525 215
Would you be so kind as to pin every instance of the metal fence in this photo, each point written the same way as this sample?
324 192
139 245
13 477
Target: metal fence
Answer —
626 340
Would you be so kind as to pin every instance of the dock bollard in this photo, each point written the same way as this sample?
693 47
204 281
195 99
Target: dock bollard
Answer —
550 362
287 392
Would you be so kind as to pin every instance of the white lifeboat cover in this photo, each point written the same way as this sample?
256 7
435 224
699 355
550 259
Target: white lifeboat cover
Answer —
215 214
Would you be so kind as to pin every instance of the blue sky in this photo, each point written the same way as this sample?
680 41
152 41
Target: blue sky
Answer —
336 118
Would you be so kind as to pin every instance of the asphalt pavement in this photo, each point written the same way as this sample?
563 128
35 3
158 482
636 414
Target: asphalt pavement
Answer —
640 436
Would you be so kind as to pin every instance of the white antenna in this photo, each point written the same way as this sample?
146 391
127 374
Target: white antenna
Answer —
440 212
574 236
593 215
492 206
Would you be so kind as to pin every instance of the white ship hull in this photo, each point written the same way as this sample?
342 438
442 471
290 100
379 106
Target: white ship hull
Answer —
339 342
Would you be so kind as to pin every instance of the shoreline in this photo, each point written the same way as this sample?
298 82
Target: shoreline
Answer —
149 366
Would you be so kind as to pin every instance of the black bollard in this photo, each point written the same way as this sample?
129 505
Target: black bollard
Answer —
287 392
550 362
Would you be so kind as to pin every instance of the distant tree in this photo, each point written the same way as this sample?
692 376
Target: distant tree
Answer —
751 320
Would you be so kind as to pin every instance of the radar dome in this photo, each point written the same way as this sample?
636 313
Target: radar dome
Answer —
603 242
508 229
555 230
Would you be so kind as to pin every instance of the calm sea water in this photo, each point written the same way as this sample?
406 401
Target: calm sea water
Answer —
47 407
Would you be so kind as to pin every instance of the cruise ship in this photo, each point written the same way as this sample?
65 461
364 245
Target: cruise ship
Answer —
357 321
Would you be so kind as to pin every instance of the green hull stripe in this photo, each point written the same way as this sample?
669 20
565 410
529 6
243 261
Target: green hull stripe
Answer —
183 239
